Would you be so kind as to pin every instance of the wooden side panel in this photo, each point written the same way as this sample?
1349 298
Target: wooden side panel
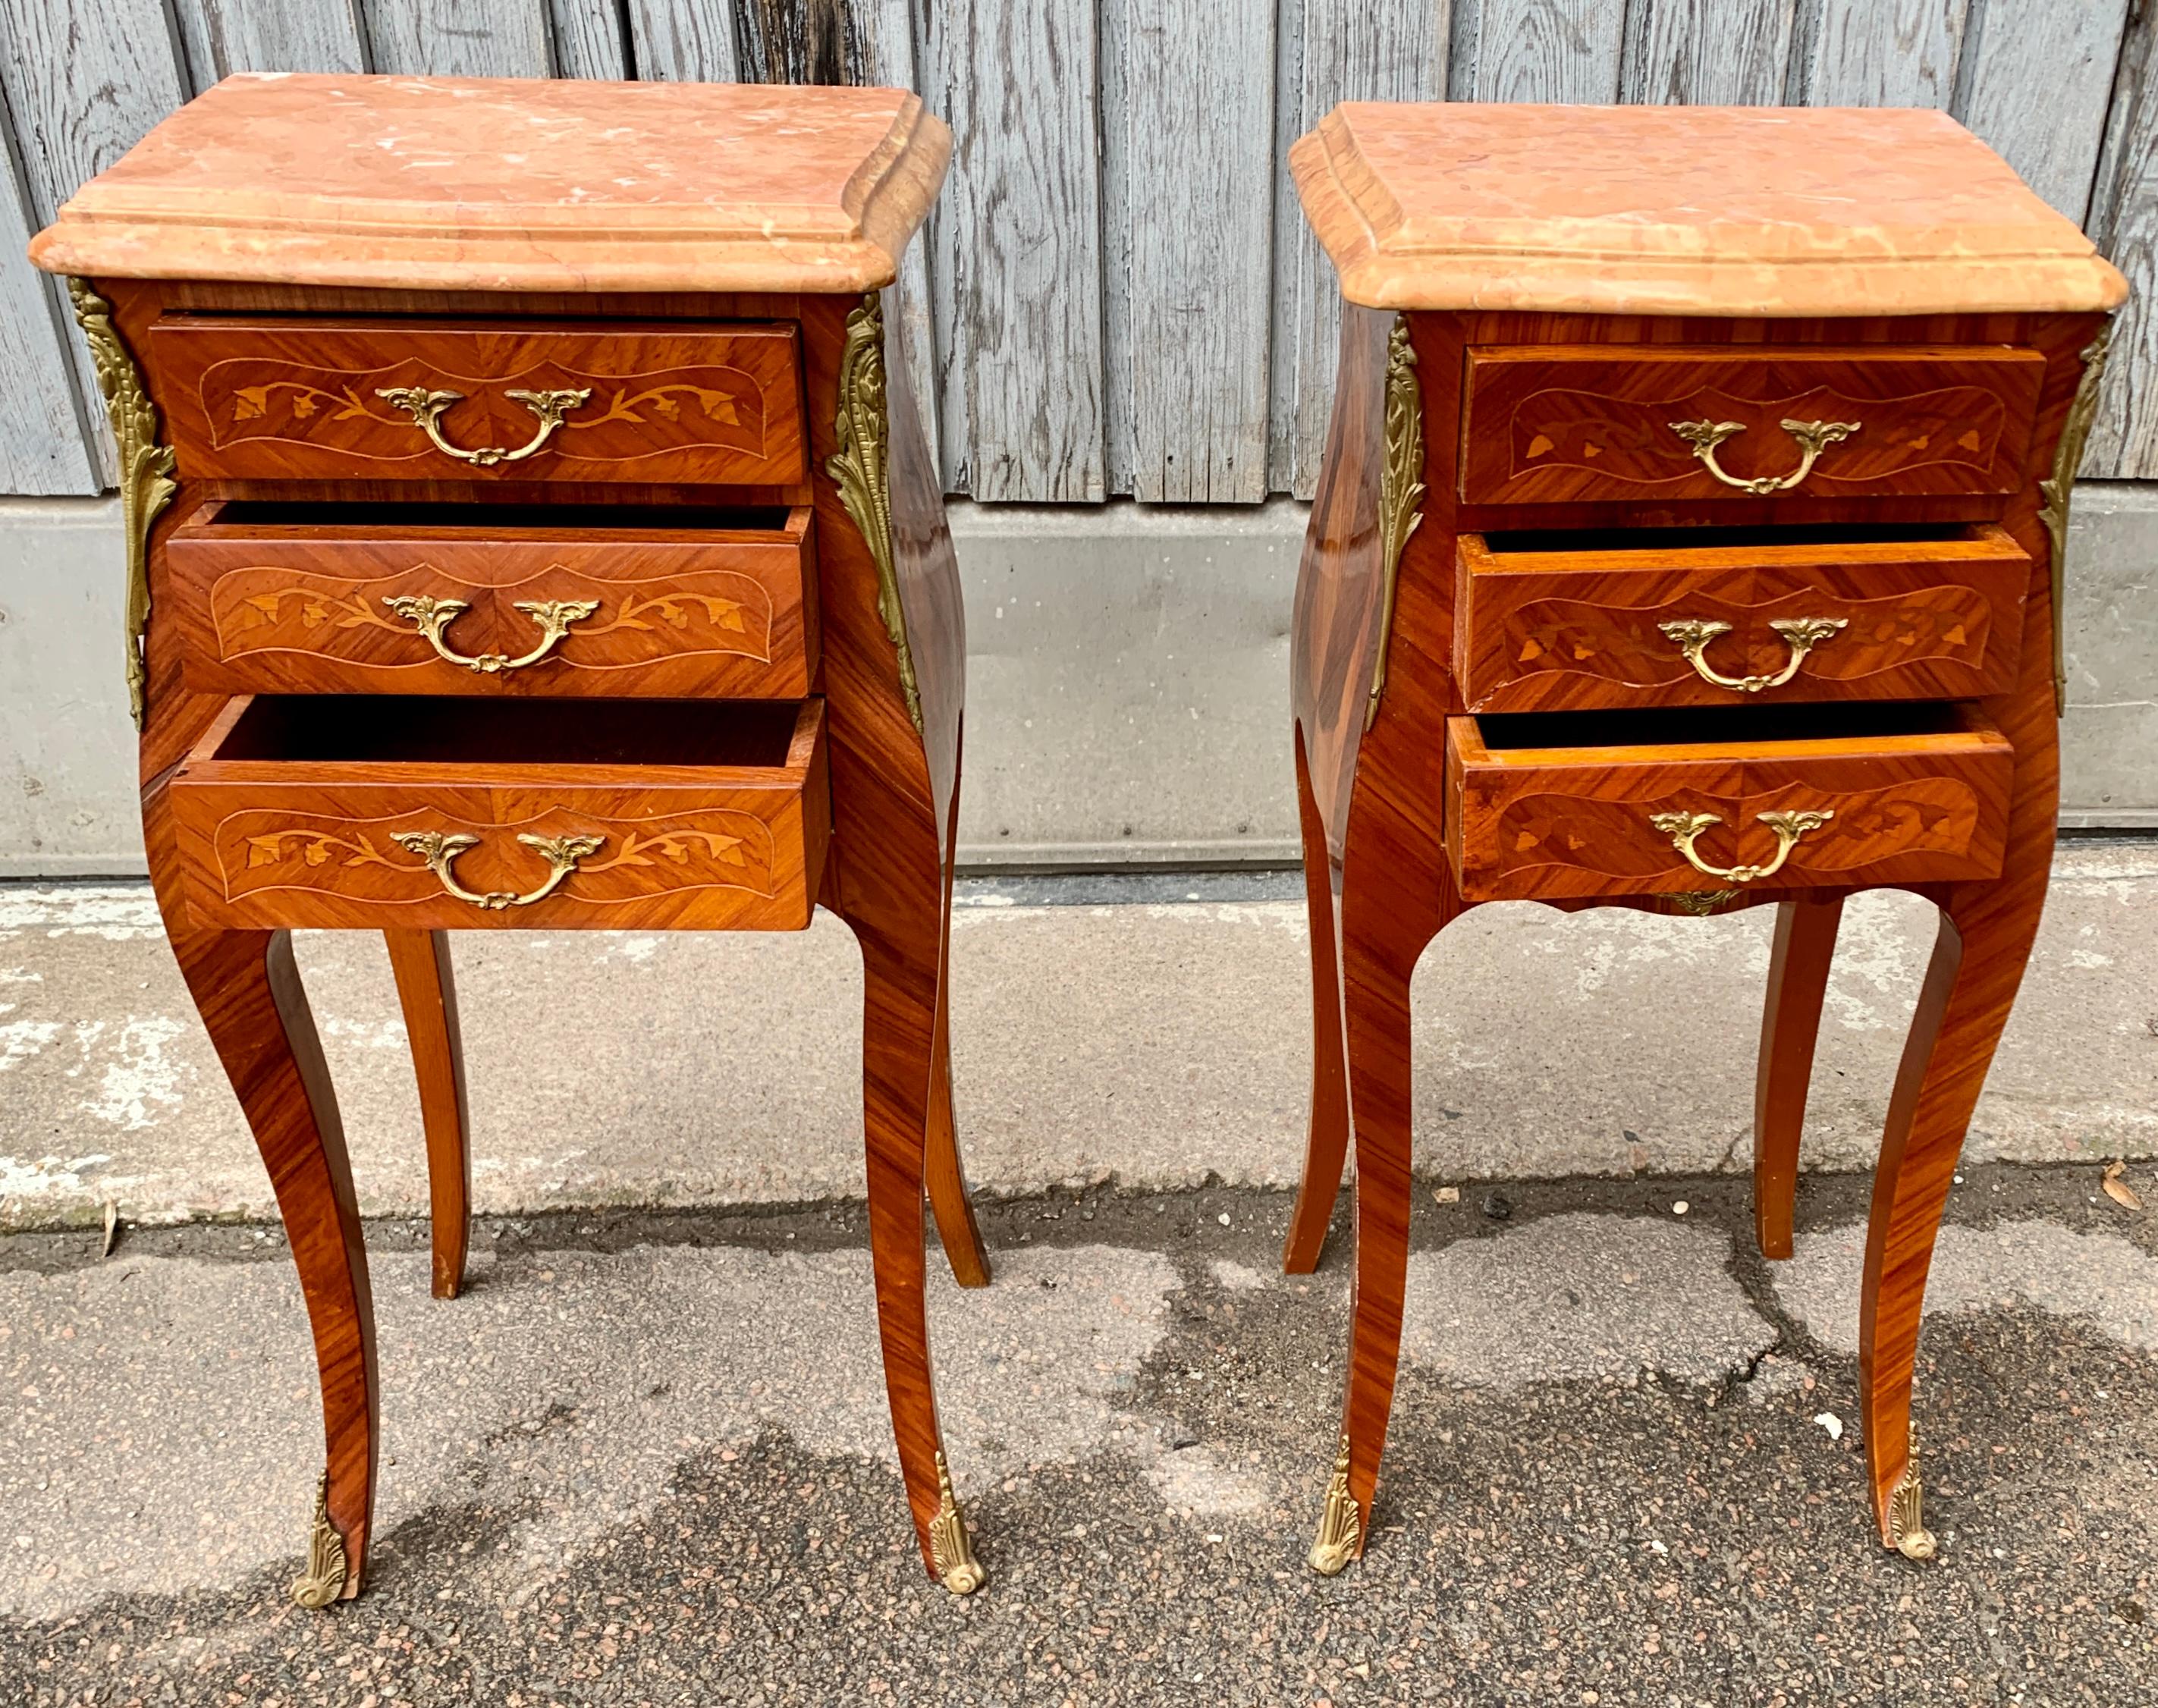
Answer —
1707 53
1575 821
1542 50
226 36
2037 76
1017 267
1329 51
459 37
675 616
1187 191
301 399
1555 425
2125 223
1559 630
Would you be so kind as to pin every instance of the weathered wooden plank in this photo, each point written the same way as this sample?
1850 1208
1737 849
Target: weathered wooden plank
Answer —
1187 346
1016 266
2123 223
1884 53
1707 53
2037 76
460 38
44 450
683 41
1565 50
1331 51
800 41
83 80
588 39
226 36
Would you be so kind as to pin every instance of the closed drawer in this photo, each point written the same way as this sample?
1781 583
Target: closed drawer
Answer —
1552 425
402 813
1556 622
508 602
1552 805
299 400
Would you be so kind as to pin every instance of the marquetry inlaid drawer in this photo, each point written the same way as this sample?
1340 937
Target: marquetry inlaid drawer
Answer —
1553 621
1552 805
295 399
495 601
1575 424
393 813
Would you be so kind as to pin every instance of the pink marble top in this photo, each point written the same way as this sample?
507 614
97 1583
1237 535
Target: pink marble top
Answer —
1674 210
501 183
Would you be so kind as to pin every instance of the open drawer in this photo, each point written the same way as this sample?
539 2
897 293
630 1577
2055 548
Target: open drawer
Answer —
1551 622
390 814
1547 805
496 600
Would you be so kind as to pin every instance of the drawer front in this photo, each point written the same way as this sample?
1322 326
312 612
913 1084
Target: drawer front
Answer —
1550 823
434 847
668 614
1552 630
290 399
1572 425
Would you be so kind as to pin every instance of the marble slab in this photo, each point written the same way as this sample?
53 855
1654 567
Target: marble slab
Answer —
501 183
1736 211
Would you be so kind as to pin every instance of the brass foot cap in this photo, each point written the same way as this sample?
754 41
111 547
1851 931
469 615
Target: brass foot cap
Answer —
1918 1544
965 1578
1329 1560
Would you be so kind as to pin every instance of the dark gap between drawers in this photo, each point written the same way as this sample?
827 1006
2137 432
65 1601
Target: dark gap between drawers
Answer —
407 729
543 519
1693 725
1707 537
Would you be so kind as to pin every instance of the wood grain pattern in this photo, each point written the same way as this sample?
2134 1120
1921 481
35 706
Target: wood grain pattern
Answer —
1552 629
2123 445
1707 53
44 443
2036 78
459 37
682 610
1543 50
589 40
1016 266
1799 960
1538 822
298 400
428 995
685 41
271 831
1557 425
225 36
1331 51
1186 334
1884 53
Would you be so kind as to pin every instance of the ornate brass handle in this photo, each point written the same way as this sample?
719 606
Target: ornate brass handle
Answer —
1682 827
425 408
432 616
440 852
1801 634
1813 436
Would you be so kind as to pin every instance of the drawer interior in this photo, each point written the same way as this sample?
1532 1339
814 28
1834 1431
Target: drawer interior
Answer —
1760 726
280 516
1663 541
399 729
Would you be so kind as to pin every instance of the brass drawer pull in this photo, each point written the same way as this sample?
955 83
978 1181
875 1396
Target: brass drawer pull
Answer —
1813 436
440 852
1682 827
425 408
1801 634
432 616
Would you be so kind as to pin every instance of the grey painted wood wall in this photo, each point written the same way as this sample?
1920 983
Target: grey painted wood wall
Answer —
1117 294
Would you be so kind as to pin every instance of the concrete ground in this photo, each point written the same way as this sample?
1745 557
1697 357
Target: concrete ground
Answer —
645 1459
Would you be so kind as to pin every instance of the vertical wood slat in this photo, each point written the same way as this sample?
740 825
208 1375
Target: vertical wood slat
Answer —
1884 52
1016 268
225 36
460 38
45 448
588 40
1706 53
2123 445
1331 51
683 41
2036 80
1541 50
84 80
1188 354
